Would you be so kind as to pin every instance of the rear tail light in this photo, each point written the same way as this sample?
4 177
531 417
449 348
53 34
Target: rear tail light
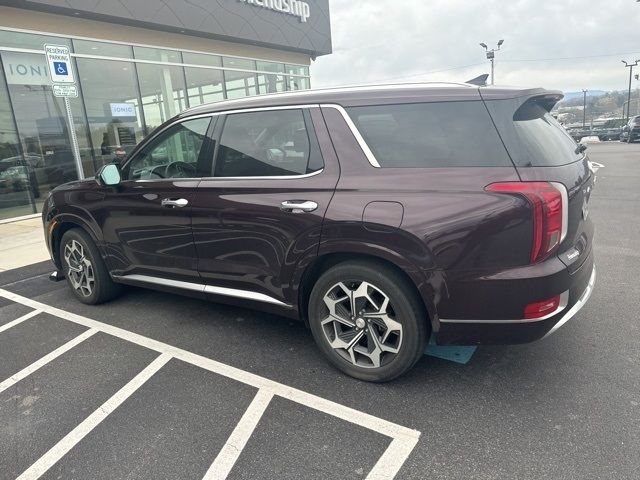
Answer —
540 309
549 203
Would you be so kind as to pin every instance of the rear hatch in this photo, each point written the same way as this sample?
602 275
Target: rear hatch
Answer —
542 151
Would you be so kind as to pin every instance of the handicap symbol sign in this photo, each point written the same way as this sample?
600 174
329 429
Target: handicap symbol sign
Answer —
60 68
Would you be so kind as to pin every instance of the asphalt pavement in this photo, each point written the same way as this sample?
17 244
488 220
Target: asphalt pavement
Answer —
154 385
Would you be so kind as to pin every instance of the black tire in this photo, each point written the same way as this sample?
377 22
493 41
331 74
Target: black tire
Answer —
103 288
406 308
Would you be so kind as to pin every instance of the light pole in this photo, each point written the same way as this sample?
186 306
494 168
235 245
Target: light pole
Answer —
491 54
630 66
584 107
637 77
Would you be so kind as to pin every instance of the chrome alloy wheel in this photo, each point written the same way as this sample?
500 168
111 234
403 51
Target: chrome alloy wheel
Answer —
80 269
359 324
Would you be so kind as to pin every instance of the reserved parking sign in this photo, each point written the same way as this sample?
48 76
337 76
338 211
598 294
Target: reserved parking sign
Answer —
59 62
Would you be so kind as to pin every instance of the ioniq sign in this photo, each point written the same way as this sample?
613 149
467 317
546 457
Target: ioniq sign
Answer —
297 8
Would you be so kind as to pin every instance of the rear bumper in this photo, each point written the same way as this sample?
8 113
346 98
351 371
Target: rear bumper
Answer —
486 331
576 306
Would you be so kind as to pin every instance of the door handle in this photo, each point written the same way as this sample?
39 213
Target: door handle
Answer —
174 202
298 206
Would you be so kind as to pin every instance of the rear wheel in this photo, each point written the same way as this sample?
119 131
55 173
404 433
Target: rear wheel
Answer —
84 269
367 320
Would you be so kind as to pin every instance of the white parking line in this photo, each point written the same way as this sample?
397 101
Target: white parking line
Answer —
404 439
61 448
21 319
25 372
226 459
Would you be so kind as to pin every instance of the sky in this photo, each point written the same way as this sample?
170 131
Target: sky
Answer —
563 44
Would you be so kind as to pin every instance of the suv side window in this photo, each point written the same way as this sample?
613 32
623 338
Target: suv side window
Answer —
173 154
439 134
267 144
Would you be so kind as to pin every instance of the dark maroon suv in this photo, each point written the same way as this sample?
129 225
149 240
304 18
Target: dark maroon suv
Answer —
378 215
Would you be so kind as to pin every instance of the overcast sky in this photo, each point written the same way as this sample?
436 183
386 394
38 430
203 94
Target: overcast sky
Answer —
433 40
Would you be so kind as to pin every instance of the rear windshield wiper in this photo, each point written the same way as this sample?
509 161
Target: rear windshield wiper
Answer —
580 148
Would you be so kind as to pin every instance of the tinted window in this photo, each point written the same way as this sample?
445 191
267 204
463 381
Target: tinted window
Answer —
533 137
445 134
174 154
266 144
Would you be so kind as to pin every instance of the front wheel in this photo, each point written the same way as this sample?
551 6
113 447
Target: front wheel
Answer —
86 273
368 320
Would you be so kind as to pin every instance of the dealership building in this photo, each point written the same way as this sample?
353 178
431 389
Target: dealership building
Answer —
131 66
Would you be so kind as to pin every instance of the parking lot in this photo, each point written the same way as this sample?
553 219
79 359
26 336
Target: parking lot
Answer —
155 385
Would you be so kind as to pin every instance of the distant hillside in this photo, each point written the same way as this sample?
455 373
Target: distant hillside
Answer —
590 93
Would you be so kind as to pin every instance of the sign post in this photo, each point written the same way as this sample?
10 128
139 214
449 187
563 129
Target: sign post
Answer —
63 84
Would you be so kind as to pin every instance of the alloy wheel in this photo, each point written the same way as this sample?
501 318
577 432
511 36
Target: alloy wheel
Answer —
359 324
80 269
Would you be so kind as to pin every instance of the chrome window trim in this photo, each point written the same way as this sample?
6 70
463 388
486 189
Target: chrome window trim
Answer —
261 109
272 177
564 301
229 112
199 287
356 133
131 44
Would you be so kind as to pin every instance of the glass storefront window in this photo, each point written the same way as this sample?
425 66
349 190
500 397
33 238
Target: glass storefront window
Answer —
162 91
243 63
299 83
240 84
268 83
204 85
18 191
112 103
201 59
297 70
43 125
102 48
157 54
120 101
270 67
29 40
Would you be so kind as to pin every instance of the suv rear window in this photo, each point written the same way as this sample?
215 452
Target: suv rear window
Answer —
533 137
440 134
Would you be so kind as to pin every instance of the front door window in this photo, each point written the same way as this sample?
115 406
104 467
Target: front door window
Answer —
174 154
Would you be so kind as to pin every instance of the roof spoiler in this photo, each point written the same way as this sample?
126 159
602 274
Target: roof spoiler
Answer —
546 100
480 80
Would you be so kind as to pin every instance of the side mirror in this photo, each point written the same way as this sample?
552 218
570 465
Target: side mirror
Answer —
109 175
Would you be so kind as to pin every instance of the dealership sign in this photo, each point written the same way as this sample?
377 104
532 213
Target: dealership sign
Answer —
122 109
296 8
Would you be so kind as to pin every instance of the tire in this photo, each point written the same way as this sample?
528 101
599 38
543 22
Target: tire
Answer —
402 332
84 269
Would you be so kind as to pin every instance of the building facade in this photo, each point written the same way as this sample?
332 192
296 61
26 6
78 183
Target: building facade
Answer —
135 65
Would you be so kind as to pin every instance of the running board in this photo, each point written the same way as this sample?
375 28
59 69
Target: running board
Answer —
201 288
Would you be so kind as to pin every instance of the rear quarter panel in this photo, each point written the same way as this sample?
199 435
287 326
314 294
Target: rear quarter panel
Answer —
450 225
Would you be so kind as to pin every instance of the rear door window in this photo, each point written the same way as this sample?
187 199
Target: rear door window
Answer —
267 144
533 137
440 134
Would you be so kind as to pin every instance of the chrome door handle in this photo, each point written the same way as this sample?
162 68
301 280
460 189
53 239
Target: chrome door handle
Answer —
298 206
174 202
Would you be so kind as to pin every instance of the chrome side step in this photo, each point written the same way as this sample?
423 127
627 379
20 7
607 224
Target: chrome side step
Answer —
199 287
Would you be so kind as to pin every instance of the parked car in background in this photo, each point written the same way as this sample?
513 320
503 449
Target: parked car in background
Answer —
378 215
631 131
